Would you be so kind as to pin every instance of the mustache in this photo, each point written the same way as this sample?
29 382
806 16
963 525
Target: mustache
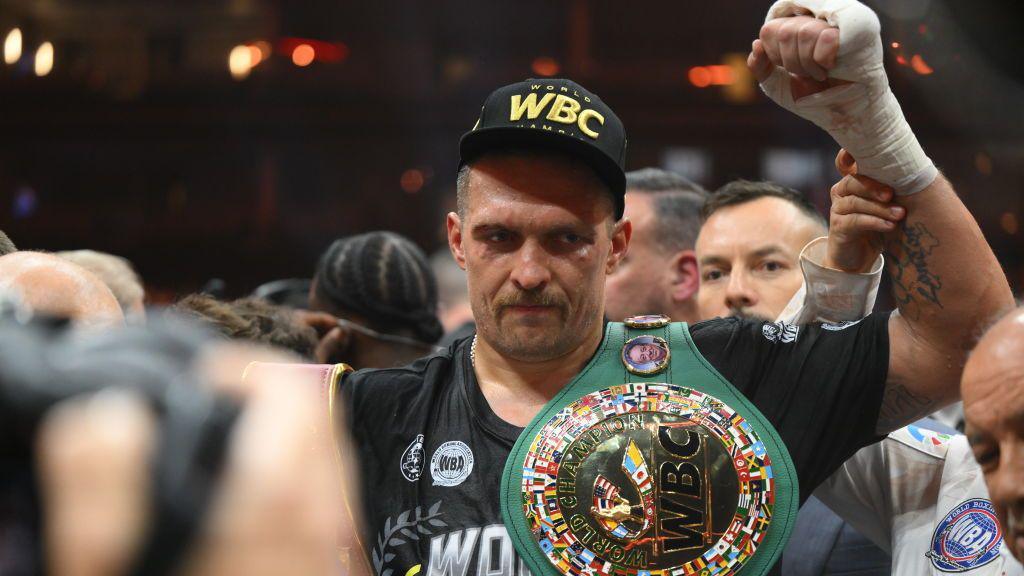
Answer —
529 299
748 314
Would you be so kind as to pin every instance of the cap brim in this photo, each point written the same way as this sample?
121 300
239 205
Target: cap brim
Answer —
479 141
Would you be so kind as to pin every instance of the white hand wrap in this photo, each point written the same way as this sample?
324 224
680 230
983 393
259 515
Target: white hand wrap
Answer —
863 117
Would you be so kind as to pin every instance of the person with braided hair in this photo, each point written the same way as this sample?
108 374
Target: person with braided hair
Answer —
374 300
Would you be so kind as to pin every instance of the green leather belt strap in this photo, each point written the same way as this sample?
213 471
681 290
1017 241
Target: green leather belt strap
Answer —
686 368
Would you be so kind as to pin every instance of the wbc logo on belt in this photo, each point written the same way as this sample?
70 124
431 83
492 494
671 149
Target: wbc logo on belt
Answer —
647 479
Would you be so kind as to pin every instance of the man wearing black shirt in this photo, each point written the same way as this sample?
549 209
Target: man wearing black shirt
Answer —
538 228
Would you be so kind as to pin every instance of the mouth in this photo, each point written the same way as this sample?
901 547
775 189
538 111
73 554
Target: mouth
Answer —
531 309
747 314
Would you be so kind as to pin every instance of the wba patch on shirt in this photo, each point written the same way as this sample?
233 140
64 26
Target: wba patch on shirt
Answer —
968 537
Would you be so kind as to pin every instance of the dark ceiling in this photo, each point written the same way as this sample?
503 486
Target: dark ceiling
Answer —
140 142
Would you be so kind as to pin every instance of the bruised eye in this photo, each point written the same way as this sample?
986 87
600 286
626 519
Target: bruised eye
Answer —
569 240
499 236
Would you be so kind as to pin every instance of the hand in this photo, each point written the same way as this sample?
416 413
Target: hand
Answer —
94 480
280 506
862 211
334 339
805 47
277 509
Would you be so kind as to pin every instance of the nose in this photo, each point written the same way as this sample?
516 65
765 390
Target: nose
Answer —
740 292
531 271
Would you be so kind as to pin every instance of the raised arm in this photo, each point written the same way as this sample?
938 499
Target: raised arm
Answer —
827 67
948 287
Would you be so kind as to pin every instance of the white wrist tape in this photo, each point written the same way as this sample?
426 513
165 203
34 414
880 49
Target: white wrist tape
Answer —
863 117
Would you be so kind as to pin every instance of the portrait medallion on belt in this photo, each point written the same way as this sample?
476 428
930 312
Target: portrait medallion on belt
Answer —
648 480
646 355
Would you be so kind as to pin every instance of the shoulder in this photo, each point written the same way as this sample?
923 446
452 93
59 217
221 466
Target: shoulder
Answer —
384 387
719 332
728 332
919 438
724 340
400 378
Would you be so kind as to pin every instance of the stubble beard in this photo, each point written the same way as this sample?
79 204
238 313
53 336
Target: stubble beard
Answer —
748 314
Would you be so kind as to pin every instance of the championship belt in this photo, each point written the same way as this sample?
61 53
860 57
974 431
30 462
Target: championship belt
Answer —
649 463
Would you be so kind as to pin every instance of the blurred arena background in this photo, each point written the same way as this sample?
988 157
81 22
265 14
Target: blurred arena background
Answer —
235 139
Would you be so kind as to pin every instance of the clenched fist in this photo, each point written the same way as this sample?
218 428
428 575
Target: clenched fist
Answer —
802 46
823 61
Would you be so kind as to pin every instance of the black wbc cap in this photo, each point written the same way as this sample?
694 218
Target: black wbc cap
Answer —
557 114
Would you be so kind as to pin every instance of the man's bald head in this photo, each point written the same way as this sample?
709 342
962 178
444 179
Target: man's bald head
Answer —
993 394
51 285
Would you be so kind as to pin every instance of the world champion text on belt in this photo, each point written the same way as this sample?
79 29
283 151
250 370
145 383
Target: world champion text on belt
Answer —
647 479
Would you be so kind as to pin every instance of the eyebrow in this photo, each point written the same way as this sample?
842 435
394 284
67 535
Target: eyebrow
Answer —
759 253
768 250
708 260
582 228
486 226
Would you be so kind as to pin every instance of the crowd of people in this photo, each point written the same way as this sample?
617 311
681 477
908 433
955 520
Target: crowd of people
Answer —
482 410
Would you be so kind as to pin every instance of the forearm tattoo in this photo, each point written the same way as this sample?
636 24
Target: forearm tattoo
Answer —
901 406
913 284
914 287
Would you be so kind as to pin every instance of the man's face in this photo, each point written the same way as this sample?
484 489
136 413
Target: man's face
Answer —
993 394
749 258
638 286
537 241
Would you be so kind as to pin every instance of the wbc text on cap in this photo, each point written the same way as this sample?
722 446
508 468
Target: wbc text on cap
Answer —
554 114
562 108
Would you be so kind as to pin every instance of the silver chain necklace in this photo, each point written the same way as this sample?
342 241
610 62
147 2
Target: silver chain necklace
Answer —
472 352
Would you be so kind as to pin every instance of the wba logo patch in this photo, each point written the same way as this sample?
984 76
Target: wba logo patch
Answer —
968 537
451 464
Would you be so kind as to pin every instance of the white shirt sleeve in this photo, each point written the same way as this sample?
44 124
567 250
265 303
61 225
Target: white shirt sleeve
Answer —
829 295
920 495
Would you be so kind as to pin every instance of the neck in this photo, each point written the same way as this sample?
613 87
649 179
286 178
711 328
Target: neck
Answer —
516 390
685 311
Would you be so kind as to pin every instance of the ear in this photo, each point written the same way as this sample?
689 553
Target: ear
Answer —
455 239
685 276
622 231
334 347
